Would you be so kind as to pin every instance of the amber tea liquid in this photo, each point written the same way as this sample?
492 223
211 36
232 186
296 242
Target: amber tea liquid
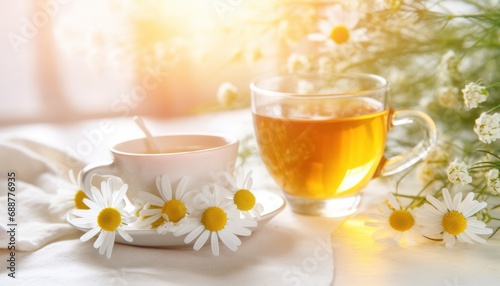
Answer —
322 150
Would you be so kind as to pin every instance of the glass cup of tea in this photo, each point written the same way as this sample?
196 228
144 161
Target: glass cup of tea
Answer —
323 137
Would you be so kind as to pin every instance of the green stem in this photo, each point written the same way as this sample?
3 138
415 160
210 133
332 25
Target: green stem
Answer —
493 85
493 109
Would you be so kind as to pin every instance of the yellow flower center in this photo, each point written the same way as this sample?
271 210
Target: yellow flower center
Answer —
454 222
157 222
175 210
214 218
340 34
109 219
244 200
78 199
401 220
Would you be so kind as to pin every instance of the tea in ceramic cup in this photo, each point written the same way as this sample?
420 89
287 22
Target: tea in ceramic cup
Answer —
197 156
323 137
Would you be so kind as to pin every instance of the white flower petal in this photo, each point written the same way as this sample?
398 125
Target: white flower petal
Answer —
110 242
473 237
201 240
100 239
474 209
120 195
214 241
89 234
472 221
150 212
447 199
437 204
466 203
193 234
104 235
449 239
392 200
97 197
187 225
165 187
456 201
432 211
432 230
181 188
106 194
152 199
230 240
92 205
85 222
462 237
477 230
125 235
146 223
238 230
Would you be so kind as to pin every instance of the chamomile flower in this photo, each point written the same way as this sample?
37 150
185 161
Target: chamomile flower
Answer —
458 173
487 127
338 28
240 185
164 212
216 218
395 223
70 195
452 220
106 216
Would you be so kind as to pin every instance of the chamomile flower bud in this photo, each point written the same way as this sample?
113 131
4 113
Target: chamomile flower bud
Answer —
458 174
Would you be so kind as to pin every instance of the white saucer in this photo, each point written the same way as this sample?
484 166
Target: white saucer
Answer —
273 204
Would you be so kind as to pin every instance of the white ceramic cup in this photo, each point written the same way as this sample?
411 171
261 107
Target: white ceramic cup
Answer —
197 156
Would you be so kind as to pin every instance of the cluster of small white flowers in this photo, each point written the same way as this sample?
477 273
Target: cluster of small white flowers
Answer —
448 68
492 181
227 94
298 63
488 127
474 94
458 173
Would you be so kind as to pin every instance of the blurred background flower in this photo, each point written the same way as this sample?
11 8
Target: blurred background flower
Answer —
82 59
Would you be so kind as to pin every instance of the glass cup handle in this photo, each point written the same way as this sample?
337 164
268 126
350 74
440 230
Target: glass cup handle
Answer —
102 169
398 163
